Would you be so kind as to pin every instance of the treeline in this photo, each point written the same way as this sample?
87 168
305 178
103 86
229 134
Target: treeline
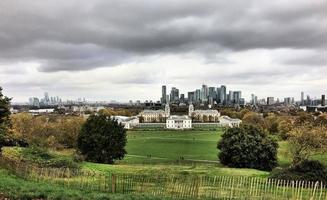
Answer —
56 132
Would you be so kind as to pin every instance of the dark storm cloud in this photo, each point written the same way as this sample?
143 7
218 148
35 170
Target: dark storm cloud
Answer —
71 35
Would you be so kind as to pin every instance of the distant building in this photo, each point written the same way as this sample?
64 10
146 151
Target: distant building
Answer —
179 122
203 115
323 100
223 96
191 97
33 101
230 122
163 94
197 96
302 98
155 115
270 100
174 95
127 122
204 93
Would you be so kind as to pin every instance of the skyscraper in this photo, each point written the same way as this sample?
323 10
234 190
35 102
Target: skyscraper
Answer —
212 92
174 95
191 97
302 98
323 100
218 95
204 93
223 96
270 100
237 95
163 94
197 96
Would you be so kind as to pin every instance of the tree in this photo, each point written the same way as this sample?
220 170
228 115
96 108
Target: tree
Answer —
4 117
284 127
247 147
254 119
306 140
102 139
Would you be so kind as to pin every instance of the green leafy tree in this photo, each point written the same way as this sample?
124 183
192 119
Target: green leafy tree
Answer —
102 139
305 140
247 147
4 117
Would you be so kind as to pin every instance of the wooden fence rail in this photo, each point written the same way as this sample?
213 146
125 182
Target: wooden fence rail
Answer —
175 187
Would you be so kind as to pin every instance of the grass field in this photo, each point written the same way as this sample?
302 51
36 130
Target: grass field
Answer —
172 145
13 187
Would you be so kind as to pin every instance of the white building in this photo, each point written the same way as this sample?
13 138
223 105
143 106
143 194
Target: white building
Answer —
127 122
155 115
203 115
230 122
179 122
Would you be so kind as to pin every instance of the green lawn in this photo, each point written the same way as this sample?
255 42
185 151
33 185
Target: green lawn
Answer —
13 187
171 145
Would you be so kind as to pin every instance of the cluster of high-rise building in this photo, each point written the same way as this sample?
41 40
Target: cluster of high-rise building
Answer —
204 95
308 101
46 100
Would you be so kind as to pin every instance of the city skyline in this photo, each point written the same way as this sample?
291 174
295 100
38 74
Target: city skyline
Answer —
92 50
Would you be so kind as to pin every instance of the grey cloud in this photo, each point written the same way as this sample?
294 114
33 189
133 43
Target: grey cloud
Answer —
69 35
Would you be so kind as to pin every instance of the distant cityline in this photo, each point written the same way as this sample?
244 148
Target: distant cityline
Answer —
204 95
218 96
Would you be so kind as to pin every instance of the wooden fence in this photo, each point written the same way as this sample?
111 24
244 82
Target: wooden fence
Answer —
175 187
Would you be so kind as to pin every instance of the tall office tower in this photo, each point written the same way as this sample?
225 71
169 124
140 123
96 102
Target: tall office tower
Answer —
323 100
223 96
174 94
218 95
302 98
46 97
253 99
191 97
197 96
230 97
204 93
182 97
308 103
287 100
211 102
167 99
237 95
270 100
212 92
163 94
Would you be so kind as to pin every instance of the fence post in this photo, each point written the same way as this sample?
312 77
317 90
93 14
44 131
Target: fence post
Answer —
113 183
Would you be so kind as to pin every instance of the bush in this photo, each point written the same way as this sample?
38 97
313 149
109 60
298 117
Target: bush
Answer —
40 157
308 170
62 162
247 147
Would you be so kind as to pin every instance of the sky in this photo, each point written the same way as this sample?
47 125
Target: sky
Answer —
125 49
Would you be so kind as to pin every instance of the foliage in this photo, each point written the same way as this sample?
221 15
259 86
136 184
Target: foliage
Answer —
284 127
50 132
306 140
102 139
247 147
308 170
255 119
4 117
39 156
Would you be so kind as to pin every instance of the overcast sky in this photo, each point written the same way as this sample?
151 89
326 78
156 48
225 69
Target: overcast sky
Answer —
121 50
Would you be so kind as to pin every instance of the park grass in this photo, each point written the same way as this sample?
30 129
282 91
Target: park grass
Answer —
13 187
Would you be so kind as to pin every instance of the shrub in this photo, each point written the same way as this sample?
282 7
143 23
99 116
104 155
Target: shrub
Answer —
308 170
247 147
62 162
